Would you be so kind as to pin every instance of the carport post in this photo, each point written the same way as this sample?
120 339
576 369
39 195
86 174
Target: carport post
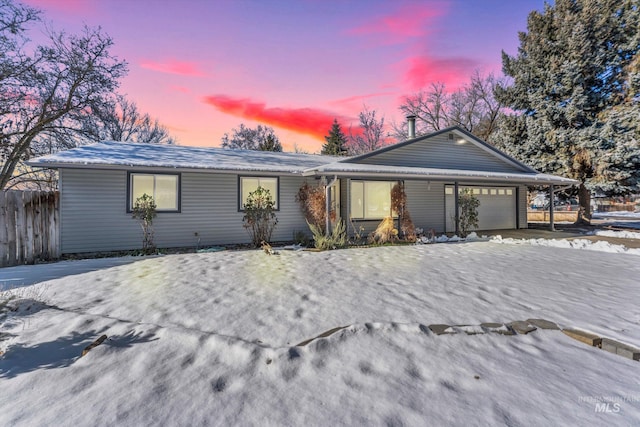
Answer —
551 202
457 207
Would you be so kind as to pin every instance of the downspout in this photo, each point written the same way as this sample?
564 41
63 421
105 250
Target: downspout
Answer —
327 206
456 210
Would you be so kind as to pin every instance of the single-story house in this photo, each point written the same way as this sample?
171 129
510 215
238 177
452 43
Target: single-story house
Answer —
199 192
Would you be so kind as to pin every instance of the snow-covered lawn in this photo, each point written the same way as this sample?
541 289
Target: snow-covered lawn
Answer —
210 339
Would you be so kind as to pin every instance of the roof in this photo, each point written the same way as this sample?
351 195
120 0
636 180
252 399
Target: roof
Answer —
112 154
121 155
344 169
457 129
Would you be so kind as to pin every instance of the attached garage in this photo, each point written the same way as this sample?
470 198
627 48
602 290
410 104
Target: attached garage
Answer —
498 208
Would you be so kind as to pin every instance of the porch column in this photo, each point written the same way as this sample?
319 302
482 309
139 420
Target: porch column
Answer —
518 208
551 202
456 210
327 210
327 206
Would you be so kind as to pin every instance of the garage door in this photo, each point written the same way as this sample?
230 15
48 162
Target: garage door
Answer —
497 210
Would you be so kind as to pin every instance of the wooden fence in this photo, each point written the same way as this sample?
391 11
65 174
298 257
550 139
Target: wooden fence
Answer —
558 216
29 227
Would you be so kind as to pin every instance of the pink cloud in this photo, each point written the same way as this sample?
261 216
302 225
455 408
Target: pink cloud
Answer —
407 22
309 121
358 99
173 66
72 7
424 70
180 89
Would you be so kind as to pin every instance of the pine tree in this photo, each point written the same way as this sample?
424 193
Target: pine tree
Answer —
336 141
575 93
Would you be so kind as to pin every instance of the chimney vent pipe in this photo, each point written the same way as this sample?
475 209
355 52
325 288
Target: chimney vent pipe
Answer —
411 122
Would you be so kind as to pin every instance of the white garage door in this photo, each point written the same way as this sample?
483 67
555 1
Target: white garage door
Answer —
497 210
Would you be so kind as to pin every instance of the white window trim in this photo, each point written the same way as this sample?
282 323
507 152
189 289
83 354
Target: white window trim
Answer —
276 197
130 201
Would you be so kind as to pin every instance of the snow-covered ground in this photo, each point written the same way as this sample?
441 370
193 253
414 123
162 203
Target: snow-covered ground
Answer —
617 214
620 234
210 339
618 219
600 246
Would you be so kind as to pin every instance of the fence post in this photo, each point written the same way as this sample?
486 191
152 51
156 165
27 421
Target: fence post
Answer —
54 225
12 235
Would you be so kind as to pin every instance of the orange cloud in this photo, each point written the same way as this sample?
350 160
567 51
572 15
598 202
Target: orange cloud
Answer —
173 66
309 121
407 22
423 70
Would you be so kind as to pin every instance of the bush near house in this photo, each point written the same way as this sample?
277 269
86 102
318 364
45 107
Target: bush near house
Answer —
468 209
399 205
336 240
259 216
312 202
144 209
385 233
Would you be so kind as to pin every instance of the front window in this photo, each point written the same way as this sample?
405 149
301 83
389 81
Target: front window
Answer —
164 188
371 199
249 184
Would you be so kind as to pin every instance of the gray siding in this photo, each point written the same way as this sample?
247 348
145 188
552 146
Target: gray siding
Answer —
522 208
442 153
425 202
94 217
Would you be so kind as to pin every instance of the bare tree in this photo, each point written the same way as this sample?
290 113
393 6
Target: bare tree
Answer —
262 138
51 89
120 120
369 135
473 108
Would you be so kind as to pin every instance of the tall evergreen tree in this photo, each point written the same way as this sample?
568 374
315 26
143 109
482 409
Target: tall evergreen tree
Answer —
336 141
575 92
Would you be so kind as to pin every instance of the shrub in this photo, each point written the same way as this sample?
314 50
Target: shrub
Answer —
259 217
385 233
337 239
468 210
301 238
312 202
144 209
358 231
399 205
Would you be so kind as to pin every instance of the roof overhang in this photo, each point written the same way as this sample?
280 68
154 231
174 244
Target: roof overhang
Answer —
163 168
387 172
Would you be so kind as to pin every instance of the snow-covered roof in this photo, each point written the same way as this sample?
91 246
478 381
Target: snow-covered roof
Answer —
120 154
127 155
342 168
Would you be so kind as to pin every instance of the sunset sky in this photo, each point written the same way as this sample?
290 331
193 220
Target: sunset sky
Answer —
202 67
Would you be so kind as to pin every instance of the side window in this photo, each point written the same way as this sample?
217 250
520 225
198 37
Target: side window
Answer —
371 199
164 188
249 184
